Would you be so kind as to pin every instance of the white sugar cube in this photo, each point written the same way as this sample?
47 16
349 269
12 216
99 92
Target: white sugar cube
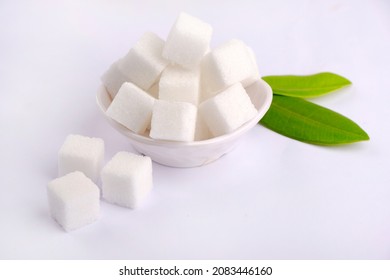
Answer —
188 41
74 200
255 75
174 121
113 79
228 110
81 153
202 132
226 65
178 84
144 63
132 107
153 91
127 179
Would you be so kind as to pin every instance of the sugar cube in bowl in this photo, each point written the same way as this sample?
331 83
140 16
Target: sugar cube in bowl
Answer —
194 153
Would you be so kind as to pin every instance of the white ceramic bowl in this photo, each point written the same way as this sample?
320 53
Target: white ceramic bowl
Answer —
197 153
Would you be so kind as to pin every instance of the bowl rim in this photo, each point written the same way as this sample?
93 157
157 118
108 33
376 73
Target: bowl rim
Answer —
147 140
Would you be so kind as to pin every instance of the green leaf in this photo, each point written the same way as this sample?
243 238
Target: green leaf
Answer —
306 86
307 122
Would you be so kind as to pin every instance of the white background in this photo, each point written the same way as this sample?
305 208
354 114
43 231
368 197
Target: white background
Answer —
271 198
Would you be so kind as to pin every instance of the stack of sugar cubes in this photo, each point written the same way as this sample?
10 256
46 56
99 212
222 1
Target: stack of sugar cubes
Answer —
180 90
176 90
74 197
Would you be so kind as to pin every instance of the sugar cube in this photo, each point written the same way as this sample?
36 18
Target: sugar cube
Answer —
132 107
127 179
144 63
81 153
188 41
226 65
202 132
153 91
113 79
174 121
255 75
178 84
73 200
227 110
